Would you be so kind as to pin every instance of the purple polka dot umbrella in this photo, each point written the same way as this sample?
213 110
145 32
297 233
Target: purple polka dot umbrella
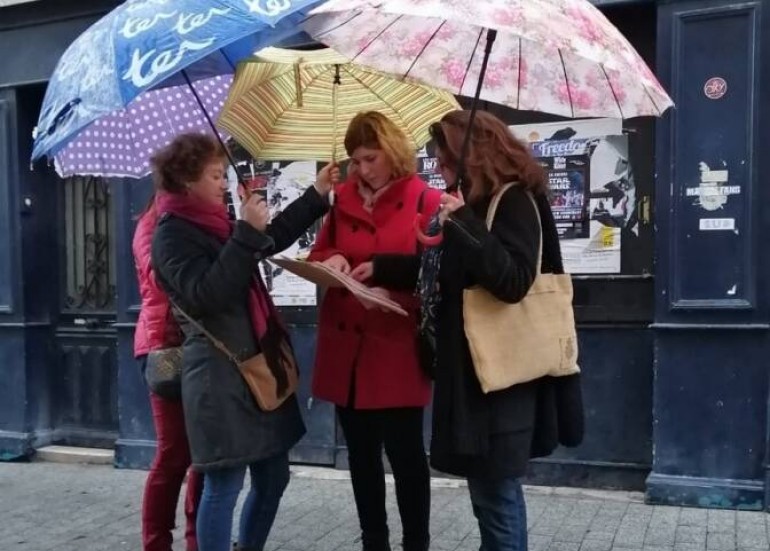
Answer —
121 144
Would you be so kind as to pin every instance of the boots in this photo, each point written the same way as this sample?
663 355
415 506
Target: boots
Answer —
375 542
416 546
423 544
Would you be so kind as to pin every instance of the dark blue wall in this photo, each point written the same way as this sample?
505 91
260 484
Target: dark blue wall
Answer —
711 322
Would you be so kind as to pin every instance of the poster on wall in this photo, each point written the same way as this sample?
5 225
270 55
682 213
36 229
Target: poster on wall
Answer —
284 182
427 167
567 166
592 191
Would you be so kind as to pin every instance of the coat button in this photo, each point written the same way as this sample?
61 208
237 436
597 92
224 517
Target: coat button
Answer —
372 230
341 326
400 205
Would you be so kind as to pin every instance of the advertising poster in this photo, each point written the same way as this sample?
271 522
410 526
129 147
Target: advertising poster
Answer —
592 192
427 168
569 183
283 182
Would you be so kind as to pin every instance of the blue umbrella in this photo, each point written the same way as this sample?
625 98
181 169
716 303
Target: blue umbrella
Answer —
149 44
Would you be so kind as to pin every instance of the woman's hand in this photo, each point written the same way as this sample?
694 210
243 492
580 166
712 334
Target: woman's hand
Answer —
449 204
255 212
380 292
363 271
338 262
327 179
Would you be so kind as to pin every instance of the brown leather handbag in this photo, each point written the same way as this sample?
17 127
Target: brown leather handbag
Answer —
257 373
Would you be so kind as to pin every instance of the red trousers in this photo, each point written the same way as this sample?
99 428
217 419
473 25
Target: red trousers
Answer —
164 483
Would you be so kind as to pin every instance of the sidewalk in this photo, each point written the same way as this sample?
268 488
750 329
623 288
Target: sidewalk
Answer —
47 506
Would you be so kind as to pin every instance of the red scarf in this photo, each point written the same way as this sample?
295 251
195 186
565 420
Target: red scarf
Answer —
213 219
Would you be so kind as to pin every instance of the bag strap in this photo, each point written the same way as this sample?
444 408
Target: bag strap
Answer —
493 210
219 345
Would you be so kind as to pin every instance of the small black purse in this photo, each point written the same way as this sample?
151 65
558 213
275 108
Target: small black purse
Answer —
163 372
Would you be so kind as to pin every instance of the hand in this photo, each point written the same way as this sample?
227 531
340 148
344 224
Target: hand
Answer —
449 204
327 178
338 262
379 291
363 271
255 212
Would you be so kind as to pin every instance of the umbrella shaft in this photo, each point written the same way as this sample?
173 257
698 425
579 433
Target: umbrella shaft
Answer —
491 35
211 124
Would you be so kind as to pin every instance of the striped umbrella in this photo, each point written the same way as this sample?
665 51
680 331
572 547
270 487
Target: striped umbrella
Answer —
292 105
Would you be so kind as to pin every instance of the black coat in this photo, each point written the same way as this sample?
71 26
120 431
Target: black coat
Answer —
491 435
210 281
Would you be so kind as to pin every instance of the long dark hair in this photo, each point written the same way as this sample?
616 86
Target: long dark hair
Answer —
495 156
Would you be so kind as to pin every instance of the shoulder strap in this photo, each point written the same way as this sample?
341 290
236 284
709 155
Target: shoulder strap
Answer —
493 210
496 203
219 345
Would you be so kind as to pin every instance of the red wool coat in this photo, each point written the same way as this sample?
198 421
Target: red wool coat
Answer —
371 349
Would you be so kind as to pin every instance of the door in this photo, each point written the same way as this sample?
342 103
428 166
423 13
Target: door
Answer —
85 400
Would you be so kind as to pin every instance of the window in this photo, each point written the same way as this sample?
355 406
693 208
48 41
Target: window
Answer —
89 245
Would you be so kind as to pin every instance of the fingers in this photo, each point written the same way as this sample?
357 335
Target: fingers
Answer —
255 199
359 274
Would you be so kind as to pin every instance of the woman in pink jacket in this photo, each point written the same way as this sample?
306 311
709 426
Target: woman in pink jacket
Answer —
156 329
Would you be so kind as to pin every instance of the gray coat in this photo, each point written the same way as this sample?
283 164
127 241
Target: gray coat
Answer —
210 281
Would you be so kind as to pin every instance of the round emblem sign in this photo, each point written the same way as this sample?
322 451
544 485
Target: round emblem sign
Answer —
715 88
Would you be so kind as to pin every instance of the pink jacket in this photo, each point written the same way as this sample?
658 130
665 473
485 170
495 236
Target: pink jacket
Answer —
156 327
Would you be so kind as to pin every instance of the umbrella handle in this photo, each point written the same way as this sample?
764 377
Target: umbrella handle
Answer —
422 237
335 87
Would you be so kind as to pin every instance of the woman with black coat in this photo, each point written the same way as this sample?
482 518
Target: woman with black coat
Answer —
209 268
487 438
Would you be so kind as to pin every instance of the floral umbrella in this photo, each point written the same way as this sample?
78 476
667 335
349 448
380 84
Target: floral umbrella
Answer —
555 56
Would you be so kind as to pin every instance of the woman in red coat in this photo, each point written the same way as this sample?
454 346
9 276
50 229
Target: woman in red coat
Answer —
155 330
367 362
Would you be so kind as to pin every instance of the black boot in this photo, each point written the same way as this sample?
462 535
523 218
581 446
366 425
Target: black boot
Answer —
375 542
423 544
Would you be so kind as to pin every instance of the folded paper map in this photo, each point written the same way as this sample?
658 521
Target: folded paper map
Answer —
324 276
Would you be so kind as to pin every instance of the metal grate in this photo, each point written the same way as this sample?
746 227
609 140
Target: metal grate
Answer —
90 245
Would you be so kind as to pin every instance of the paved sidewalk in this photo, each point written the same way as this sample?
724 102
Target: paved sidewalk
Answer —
47 506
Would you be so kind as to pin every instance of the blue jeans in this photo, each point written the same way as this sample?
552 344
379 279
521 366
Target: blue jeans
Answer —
502 513
221 487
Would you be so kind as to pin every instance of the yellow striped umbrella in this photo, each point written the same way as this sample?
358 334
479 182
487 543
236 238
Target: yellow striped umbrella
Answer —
284 104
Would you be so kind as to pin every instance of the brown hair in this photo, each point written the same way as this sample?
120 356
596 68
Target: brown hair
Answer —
183 161
374 130
495 156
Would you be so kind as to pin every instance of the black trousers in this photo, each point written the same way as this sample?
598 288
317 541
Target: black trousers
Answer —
399 430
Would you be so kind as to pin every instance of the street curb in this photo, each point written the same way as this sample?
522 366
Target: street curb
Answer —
70 455
324 473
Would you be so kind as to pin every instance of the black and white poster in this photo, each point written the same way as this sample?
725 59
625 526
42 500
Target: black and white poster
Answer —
283 182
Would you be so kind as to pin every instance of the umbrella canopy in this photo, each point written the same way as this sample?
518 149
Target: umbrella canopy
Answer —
285 105
555 56
121 143
143 45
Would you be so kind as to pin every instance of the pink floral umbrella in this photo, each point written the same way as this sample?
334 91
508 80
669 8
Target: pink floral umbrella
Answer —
555 56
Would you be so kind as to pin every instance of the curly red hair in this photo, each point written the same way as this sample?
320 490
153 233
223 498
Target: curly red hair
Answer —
183 161
495 156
